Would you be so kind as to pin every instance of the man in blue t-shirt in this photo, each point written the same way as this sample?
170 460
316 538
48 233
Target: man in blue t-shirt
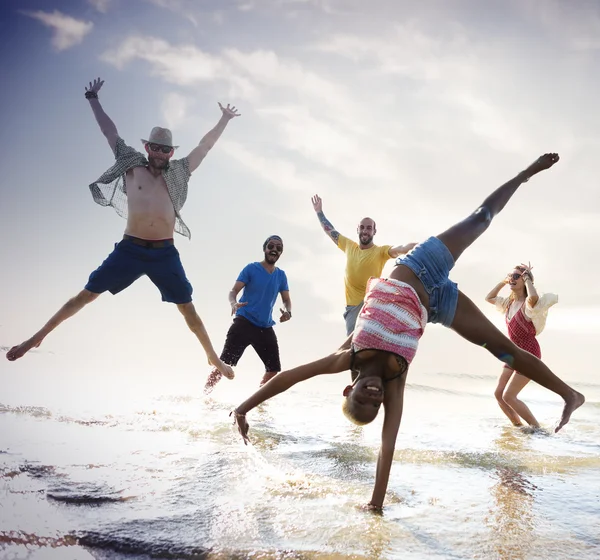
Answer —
253 323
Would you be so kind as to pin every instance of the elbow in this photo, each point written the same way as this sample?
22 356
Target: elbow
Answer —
490 300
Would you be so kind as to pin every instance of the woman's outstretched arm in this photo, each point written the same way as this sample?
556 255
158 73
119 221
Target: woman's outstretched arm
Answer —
334 363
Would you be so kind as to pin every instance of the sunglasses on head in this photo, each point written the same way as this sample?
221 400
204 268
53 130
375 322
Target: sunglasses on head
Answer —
160 148
276 247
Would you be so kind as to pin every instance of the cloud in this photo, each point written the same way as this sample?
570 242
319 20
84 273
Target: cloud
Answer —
174 109
574 24
68 31
183 65
185 8
100 5
320 121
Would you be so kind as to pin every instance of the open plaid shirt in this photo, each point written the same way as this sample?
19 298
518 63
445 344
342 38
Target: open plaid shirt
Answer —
110 188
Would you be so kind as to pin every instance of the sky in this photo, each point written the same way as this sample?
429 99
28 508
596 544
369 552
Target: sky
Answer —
410 113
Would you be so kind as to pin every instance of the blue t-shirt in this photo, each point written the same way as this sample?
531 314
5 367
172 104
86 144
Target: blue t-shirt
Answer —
260 291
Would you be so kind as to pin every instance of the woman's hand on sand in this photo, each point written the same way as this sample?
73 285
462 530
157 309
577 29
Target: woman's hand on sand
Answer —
372 508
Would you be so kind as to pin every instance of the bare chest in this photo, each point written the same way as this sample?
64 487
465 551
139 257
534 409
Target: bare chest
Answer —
145 188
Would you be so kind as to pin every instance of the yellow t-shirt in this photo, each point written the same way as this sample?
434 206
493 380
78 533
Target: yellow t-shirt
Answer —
361 264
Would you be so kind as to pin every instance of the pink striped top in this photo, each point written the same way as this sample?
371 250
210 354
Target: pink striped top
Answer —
392 319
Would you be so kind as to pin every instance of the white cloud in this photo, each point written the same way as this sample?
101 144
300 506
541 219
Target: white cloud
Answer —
100 5
174 109
184 65
185 8
68 31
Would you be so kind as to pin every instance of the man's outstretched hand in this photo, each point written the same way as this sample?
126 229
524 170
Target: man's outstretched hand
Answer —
242 425
95 86
229 112
317 203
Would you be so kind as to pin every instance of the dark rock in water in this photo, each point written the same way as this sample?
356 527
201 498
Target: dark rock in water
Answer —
85 494
131 545
38 471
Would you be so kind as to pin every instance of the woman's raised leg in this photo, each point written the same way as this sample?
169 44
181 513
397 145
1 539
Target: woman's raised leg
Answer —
463 234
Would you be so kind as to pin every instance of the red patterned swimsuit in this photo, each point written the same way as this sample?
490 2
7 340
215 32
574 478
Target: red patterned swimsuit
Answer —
522 332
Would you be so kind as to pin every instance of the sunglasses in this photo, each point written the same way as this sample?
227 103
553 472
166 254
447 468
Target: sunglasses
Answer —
515 275
272 246
160 148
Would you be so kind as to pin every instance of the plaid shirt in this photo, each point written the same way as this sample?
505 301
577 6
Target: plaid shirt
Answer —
110 188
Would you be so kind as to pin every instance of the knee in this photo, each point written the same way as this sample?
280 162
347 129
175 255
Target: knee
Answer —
482 216
84 297
510 398
499 394
189 313
186 309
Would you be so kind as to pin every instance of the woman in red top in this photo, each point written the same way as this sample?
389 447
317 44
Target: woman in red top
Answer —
519 310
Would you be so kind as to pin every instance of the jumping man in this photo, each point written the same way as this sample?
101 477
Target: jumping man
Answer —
149 191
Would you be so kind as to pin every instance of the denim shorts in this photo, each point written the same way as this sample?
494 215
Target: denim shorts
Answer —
351 315
432 262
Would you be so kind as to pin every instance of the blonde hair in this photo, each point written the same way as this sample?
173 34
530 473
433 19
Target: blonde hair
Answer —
349 413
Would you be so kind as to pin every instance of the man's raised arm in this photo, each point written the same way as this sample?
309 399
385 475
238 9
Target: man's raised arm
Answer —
199 152
107 127
325 223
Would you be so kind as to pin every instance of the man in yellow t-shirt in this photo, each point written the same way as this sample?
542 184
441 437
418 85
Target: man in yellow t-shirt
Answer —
363 260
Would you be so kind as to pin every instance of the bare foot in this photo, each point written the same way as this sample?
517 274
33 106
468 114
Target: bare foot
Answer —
19 351
543 162
571 405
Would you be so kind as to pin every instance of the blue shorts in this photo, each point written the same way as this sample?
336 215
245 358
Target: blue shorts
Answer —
432 262
129 261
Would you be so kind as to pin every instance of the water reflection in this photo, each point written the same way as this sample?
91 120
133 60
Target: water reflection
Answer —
512 520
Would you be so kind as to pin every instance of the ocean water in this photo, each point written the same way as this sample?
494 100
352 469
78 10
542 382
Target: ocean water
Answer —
128 469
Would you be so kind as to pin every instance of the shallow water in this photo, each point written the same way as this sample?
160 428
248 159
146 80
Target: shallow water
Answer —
134 470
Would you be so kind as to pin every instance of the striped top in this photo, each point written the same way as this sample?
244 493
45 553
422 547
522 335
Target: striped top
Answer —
392 319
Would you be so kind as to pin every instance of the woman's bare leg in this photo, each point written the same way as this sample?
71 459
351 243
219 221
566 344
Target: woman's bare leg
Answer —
463 234
515 386
499 394
475 327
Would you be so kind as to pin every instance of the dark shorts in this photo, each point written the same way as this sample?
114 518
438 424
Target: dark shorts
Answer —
129 261
244 333
432 262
